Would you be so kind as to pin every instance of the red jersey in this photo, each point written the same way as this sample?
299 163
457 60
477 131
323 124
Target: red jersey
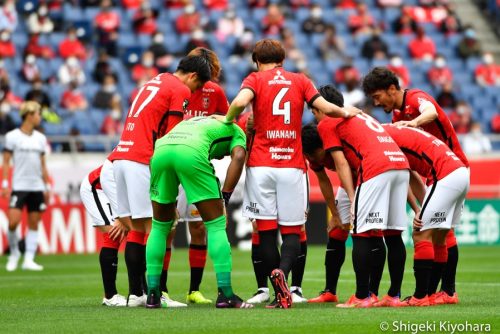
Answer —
426 154
441 127
278 106
206 101
368 148
95 178
157 108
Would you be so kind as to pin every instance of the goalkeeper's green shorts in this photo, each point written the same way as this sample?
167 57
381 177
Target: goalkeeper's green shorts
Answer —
172 165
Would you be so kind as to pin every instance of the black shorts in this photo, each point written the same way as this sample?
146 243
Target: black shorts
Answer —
33 200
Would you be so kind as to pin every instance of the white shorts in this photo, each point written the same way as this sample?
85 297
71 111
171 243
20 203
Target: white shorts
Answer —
276 193
343 206
380 202
187 211
444 200
96 203
132 189
108 185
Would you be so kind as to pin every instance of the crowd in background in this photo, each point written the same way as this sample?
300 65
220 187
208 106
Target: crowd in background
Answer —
83 60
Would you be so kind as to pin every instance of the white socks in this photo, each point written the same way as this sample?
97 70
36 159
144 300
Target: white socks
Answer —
31 245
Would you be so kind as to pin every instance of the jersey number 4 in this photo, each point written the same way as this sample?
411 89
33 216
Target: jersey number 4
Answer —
285 111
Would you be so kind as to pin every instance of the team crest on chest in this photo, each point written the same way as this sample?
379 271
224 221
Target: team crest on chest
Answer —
185 104
206 102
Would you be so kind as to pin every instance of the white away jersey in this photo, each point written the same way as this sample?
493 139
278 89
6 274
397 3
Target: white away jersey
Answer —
26 152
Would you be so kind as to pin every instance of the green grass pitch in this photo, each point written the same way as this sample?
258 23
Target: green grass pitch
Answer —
66 296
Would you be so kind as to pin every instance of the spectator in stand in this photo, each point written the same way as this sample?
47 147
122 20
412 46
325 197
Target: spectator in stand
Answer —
7 47
38 94
71 70
188 21
353 95
7 95
332 46
103 68
389 3
216 4
243 47
469 46
495 123
162 58
132 4
405 24
8 16
71 46
422 47
73 99
451 24
446 98
144 21
361 22
86 3
345 4
107 23
6 121
461 117
257 3
106 93
475 142
112 124
273 21
41 51
30 71
374 47
229 25
314 24
145 70
397 66
197 40
295 4
293 53
439 74
39 22
346 72
487 73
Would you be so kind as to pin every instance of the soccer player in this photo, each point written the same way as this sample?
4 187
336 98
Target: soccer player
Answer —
99 207
157 108
415 108
275 187
338 205
379 201
30 183
245 122
448 183
183 157
205 101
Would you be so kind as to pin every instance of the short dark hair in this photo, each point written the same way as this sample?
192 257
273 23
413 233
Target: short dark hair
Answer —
268 51
379 78
311 140
197 64
332 95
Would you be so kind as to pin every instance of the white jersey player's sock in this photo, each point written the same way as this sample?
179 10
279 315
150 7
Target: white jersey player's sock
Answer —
31 245
13 242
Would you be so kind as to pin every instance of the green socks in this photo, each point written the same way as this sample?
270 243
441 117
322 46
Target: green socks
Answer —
155 252
219 251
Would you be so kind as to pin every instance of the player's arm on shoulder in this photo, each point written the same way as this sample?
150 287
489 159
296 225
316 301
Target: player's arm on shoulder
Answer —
428 113
7 155
244 97
333 110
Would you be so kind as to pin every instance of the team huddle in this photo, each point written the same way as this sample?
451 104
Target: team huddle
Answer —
179 122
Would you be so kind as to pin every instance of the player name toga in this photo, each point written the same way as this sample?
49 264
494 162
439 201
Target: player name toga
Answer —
278 134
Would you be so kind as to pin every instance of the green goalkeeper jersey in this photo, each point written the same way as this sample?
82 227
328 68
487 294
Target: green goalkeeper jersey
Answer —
208 136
